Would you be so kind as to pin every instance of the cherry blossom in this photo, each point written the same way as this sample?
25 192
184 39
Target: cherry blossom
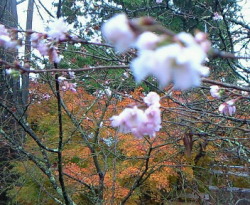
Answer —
139 122
177 63
71 73
57 30
53 55
61 79
3 30
202 40
141 69
36 38
68 86
118 32
228 108
158 1
45 48
152 98
10 71
153 123
147 41
46 96
215 91
5 39
217 17
126 74
129 120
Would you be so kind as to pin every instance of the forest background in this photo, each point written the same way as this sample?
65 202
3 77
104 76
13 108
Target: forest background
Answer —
56 142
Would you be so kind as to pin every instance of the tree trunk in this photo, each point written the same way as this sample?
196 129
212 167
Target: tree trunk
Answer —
10 94
25 76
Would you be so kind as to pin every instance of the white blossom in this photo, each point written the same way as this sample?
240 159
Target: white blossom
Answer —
141 69
139 122
68 86
53 55
126 74
152 98
3 30
5 39
147 41
217 17
228 108
215 91
158 1
118 32
10 71
174 62
71 73
202 39
57 30
61 79
46 96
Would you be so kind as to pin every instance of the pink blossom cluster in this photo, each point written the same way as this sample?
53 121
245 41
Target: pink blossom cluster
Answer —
5 39
217 17
140 122
69 86
158 1
179 62
38 41
57 30
46 96
45 43
228 108
215 91
66 85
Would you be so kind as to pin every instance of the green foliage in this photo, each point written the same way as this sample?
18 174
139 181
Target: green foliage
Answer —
31 187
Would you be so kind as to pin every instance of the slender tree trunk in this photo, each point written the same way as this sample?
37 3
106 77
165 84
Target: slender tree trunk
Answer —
25 76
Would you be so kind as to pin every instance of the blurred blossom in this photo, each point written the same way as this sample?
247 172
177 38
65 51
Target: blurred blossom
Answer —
118 32
130 120
61 78
179 62
215 91
217 17
53 55
68 86
14 73
38 42
43 48
10 71
174 62
147 41
140 69
153 123
158 1
101 93
108 91
46 96
139 122
126 74
71 73
3 30
228 108
36 38
57 30
202 39
5 39
152 98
